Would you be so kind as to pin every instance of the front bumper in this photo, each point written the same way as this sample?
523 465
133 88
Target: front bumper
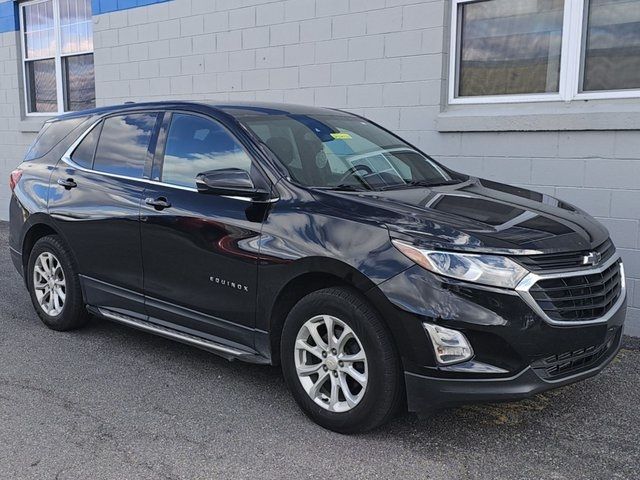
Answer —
425 392
516 351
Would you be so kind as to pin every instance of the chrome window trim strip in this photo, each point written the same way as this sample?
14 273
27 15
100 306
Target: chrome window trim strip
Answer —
66 158
532 278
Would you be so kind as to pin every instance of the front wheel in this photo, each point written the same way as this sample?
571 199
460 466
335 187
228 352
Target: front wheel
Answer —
339 361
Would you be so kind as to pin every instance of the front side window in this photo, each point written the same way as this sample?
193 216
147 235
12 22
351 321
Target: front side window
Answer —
57 54
344 152
123 147
197 145
541 50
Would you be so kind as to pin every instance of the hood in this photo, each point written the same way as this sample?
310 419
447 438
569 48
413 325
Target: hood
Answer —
476 215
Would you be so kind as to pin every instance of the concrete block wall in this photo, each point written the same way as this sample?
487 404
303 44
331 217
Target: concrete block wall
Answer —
380 58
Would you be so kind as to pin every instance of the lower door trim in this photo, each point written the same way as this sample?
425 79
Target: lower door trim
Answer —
186 338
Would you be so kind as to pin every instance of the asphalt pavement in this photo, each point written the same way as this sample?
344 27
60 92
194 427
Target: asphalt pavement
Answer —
109 402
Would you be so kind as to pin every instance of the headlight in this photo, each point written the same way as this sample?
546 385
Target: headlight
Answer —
492 270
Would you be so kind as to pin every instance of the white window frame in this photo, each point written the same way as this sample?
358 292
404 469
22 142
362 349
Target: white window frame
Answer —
573 28
58 56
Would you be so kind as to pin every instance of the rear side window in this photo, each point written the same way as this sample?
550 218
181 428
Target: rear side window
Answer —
196 145
83 154
124 144
52 134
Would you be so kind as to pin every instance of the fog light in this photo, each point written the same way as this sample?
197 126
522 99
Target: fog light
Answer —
450 346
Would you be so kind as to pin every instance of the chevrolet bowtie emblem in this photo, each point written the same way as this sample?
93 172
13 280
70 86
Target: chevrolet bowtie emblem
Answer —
592 258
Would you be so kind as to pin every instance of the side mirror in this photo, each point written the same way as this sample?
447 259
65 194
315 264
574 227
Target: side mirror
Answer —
232 182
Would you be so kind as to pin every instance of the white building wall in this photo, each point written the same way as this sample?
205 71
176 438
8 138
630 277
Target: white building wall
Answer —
13 141
385 59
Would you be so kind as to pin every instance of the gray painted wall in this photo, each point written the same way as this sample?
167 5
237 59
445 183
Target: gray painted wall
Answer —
385 59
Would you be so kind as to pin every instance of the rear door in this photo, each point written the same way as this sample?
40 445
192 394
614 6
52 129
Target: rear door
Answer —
95 203
200 251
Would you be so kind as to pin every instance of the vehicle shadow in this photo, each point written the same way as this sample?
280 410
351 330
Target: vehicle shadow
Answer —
576 399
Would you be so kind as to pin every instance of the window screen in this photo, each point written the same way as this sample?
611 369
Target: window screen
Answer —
612 47
509 47
58 55
79 82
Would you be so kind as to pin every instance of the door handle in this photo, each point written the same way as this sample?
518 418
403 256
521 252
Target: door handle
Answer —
159 203
69 183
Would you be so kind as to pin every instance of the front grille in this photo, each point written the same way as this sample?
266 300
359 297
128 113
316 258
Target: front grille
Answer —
570 362
580 297
558 261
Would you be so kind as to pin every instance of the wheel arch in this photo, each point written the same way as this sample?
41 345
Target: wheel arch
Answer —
310 275
37 227
35 232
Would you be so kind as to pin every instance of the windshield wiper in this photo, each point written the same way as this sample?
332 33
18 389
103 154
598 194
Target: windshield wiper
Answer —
434 183
421 183
346 187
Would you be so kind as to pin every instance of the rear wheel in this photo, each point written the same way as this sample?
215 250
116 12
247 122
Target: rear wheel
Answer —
54 285
339 361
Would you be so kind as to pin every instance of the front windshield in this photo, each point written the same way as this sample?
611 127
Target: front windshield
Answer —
344 152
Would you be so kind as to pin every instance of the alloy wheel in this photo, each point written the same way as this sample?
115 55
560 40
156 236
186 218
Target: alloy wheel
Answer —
49 284
331 363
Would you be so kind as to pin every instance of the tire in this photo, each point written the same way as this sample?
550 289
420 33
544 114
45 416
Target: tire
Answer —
68 313
369 406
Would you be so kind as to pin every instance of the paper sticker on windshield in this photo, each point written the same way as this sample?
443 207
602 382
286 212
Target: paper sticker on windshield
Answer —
341 136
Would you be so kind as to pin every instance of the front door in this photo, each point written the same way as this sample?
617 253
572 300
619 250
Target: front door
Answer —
199 251
95 203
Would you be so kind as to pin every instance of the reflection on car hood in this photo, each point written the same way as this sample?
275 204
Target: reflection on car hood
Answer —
476 215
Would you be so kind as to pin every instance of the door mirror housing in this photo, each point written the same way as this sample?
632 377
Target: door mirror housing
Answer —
232 182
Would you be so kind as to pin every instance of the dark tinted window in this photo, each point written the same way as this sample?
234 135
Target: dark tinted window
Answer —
51 134
124 143
83 154
196 145
80 82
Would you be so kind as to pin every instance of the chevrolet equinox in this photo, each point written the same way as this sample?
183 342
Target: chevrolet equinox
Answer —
314 239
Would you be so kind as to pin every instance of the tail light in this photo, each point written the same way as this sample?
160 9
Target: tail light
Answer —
14 178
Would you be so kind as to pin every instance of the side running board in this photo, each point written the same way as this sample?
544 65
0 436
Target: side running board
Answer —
225 351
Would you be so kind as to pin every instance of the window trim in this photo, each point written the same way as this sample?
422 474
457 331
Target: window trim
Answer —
66 157
571 60
58 57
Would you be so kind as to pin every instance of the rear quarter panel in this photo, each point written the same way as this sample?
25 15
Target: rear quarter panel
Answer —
28 204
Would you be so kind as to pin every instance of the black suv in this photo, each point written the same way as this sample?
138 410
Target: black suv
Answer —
312 238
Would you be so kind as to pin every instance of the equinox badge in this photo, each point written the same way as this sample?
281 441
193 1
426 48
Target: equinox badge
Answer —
227 283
